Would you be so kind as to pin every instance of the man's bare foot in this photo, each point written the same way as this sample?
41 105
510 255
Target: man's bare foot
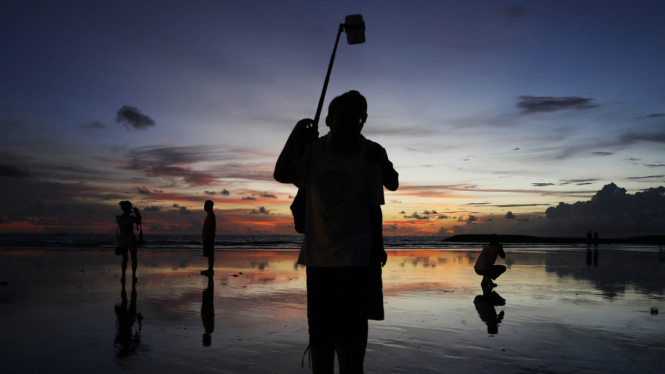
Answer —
207 272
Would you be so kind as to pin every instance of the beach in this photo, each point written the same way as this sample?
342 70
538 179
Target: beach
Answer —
63 311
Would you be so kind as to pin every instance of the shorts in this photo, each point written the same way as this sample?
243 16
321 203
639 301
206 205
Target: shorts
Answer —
494 272
336 306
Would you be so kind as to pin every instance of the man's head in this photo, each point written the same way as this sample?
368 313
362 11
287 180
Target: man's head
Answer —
126 206
207 206
347 114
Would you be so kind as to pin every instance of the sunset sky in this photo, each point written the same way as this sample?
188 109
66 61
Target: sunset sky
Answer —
492 112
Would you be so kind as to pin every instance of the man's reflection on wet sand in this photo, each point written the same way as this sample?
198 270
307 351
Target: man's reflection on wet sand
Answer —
589 255
485 304
126 340
208 311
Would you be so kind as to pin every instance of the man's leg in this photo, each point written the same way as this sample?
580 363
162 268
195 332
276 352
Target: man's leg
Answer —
351 331
211 260
320 318
496 271
123 265
134 263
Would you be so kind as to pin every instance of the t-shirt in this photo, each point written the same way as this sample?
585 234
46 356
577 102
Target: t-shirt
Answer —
488 256
209 226
340 190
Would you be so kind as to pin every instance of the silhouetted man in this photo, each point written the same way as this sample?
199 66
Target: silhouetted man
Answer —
208 234
126 239
589 240
485 263
343 174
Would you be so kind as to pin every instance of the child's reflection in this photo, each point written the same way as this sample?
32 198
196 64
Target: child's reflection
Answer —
208 311
126 340
485 304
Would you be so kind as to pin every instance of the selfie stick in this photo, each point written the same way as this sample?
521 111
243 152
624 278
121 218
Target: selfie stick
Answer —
355 34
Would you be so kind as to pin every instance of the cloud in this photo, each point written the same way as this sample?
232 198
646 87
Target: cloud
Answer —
443 216
478 203
634 137
514 14
13 171
131 117
547 104
173 162
93 126
509 215
402 212
518 205
602 153
225 192
175 205
615 211
542 184
471 187
516 149
184 211
143 190
469 220
417 216
262 210
653 115
577 181
248 198
655 165
267 195
211 193
647 177
153 208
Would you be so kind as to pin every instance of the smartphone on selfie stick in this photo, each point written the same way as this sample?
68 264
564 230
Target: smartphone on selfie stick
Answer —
354 26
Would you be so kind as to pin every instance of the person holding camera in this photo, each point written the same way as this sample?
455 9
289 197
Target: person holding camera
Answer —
343 174
126 239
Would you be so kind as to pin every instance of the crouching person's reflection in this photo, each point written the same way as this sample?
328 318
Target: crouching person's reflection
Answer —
208 312
485 304
126 340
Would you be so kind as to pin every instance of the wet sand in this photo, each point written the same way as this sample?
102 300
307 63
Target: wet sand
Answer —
62 311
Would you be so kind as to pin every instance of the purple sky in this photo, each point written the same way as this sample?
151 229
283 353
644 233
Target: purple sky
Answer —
485 108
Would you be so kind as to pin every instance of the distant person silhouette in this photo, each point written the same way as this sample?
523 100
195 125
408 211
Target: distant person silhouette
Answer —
127 240
208 311
589 240
485 304
126 340
209 226
595 241
343 174
485 263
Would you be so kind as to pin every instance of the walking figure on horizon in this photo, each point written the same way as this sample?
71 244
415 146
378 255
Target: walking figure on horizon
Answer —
126 239
343 175
589 240
208 233
485 263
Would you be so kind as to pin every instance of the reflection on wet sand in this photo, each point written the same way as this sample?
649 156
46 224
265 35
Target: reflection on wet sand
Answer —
126 339
432 311
208 311
485 304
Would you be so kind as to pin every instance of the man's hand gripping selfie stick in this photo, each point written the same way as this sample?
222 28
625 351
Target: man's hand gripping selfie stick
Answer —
355 34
